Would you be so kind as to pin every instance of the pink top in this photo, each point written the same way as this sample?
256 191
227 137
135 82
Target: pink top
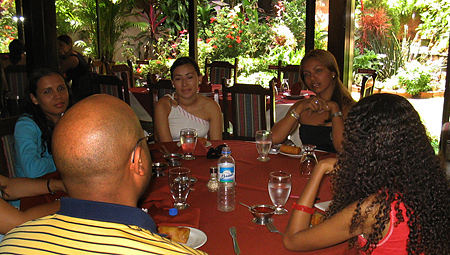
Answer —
395 240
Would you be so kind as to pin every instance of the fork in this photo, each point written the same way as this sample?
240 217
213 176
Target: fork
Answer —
272 228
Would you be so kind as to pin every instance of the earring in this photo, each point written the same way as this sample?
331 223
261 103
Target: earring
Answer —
334 76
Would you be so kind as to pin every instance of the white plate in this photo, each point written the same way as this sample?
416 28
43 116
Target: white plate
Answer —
323 206
197 238
291 155
207 144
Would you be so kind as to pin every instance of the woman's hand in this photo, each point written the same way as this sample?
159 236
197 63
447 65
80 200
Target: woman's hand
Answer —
313 104
325 166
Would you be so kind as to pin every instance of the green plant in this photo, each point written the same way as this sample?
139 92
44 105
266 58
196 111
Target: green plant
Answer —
8 28
416 78
113 23
293 14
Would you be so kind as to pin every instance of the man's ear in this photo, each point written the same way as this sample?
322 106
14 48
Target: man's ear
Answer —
136 164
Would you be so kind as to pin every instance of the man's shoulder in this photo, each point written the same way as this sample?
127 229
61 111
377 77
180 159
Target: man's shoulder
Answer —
72 235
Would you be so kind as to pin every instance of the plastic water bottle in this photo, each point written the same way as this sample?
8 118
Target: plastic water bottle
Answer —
227 184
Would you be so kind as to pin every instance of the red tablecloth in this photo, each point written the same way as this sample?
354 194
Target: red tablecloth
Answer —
251 177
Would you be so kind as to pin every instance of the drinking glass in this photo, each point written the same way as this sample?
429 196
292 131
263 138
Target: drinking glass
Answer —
279 187
263 140
285 87
188 140
180 185
308 160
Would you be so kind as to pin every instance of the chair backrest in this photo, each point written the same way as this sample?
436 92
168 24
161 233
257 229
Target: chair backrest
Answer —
7 151
158 90
16 77
124 72
112 85
249 104
217 70
367 88
289 72
98 66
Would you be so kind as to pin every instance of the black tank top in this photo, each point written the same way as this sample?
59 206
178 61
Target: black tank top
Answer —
319 136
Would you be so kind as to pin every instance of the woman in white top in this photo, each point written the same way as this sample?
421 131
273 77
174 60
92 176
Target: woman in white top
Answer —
186 108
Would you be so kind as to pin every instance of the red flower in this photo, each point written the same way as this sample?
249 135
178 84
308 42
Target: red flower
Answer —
240 31
234 26
158 62
230 46
212 19
174 45
215 46
183 31
208 40
138 70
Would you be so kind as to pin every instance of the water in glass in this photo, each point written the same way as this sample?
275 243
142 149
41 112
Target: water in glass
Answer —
263 139
179 185
279 187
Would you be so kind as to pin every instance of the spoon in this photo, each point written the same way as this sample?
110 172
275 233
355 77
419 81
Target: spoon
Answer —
249 207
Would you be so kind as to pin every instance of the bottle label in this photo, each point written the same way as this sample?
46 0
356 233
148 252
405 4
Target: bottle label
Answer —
226 172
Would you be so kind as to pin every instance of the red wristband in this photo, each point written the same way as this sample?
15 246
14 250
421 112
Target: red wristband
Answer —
303 208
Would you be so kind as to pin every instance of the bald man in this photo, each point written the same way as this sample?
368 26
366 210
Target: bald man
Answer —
102 154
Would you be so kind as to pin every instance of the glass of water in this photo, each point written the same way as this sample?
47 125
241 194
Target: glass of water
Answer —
263 139
188 140
279 187
180 185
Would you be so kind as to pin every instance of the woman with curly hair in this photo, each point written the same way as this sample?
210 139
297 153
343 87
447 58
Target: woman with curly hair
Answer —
390 193
321 117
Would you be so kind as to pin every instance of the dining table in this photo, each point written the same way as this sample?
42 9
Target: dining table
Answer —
251 188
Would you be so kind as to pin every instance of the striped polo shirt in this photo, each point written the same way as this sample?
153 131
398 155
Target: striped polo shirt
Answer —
88 227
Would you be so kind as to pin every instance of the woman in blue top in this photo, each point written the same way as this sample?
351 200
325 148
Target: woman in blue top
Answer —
49 99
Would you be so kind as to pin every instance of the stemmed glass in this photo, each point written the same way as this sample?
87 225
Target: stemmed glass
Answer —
263 140
180 185
309 159
279 187
188 140
285 87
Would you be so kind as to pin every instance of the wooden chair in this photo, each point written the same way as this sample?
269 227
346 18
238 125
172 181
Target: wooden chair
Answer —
158 90
217 70
367 88
124 72
249 104
15 94
98 66
111 85
7 151
289 72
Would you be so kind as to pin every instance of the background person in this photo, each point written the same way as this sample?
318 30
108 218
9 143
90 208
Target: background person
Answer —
321 117
74 67
105 169
49 99
186 108
390 194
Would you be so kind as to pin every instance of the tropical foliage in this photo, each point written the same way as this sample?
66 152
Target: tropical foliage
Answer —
8 28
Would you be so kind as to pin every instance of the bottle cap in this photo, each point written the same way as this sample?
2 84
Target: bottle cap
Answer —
226 149
213 169
173 211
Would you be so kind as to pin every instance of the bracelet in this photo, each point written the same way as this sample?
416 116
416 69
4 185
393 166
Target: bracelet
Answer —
295 114
303 208
336 114
48 187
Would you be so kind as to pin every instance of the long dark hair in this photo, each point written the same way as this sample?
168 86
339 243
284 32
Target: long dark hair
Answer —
386 152
44 123
341 95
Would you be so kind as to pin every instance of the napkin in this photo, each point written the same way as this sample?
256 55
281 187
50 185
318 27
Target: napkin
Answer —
160 199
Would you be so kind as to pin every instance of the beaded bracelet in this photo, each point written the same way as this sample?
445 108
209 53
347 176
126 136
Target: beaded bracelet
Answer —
48 187
303 208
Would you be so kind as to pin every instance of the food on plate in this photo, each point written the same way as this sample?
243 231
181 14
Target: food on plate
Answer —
290 149
177 234
316 218
202 140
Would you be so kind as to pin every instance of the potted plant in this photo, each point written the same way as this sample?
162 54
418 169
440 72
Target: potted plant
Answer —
416 78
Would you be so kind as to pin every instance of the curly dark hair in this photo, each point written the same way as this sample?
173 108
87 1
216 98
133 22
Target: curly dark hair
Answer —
44 123
387 153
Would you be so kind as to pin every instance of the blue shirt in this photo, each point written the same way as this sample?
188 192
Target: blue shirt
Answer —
30 161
